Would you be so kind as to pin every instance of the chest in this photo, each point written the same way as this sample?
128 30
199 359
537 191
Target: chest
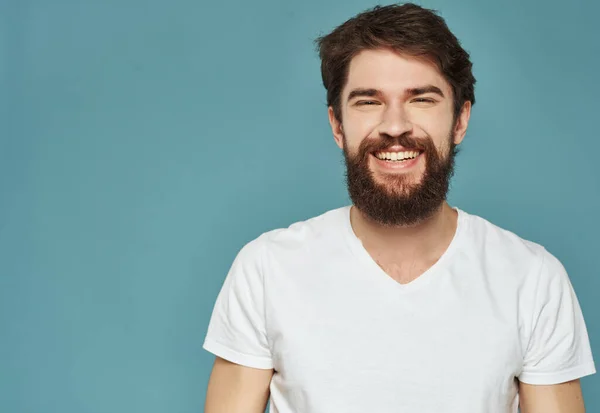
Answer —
372 349
402 273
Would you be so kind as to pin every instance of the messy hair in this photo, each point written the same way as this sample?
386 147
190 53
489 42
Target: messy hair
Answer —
407 29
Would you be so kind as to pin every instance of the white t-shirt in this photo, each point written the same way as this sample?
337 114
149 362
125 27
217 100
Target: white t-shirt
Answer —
343 337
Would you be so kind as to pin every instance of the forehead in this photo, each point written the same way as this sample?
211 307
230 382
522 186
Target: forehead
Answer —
392 72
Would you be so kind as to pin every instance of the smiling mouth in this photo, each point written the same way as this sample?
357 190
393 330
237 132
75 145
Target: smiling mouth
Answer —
397 156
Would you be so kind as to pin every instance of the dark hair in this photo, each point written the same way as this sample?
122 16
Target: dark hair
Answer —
408 29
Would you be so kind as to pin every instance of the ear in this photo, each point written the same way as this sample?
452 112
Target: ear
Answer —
336 128
460 129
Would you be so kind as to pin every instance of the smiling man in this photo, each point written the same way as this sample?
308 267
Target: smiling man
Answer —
399 302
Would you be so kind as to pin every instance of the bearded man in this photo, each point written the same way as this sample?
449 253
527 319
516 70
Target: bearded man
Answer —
398 302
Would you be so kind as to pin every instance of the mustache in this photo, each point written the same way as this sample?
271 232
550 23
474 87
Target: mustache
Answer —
404 140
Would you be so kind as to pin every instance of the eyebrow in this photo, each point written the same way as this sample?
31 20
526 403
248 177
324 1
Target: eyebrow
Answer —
410 92
425 89
363 93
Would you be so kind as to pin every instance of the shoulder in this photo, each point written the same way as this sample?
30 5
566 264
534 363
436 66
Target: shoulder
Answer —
483 231
313 228
305 236
505 250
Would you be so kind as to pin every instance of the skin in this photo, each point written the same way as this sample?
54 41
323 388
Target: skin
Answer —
237 389
556 398
403 252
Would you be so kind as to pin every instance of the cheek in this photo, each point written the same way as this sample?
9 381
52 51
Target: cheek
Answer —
432 119
359 126
438 126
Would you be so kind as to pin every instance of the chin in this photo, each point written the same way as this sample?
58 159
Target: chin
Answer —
398 180
397 188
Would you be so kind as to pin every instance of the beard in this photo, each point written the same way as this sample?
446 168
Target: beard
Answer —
399 202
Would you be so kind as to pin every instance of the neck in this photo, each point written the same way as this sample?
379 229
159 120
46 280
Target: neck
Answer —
421 241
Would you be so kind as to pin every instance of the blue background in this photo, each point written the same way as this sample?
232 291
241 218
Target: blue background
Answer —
144 142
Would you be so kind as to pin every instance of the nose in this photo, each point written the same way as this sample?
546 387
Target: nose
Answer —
395 122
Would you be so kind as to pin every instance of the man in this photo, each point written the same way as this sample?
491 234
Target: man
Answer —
399 303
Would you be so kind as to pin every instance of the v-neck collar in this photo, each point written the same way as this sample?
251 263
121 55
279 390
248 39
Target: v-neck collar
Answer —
373 268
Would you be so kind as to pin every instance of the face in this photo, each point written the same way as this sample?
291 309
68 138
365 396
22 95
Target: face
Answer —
399 136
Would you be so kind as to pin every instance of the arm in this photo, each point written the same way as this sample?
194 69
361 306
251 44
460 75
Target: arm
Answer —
556 398
233 388
558 351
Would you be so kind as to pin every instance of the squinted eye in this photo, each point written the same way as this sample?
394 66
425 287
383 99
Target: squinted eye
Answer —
423 100
366 103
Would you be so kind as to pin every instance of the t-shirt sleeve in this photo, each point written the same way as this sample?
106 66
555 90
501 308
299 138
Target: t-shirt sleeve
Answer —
558 349
237 330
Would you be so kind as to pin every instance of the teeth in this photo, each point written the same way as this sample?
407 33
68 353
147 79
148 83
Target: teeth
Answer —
397 156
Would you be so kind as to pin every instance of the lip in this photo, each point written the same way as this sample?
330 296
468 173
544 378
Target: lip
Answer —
391 166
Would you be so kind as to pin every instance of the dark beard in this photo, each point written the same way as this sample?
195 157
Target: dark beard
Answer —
399 202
